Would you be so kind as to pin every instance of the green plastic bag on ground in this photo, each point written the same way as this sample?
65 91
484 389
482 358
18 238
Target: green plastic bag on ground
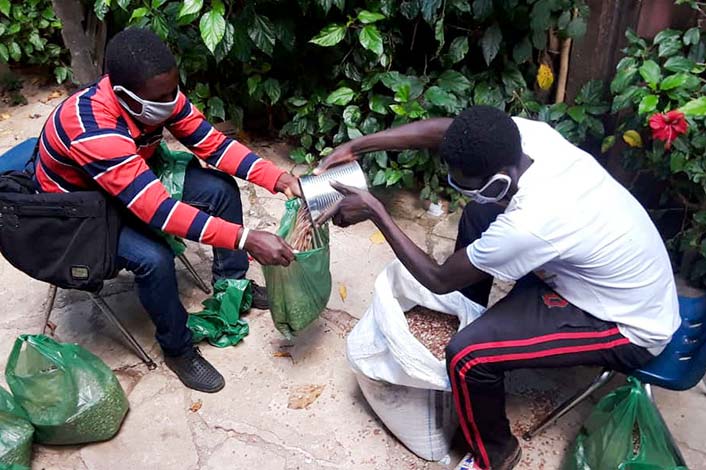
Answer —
70 395
220 321
299 292
606 439
16 432
170 167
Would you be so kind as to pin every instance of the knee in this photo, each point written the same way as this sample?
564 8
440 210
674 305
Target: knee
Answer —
155 260
223 192
463 360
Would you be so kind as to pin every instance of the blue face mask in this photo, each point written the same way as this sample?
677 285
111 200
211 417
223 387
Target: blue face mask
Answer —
493 191
153 113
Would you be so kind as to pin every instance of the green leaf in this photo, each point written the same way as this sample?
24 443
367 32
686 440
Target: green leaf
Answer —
36 41
212 27
367 17
410 9
607 143
403 92
677 161
156 4
262 33
695 108
216 108
541 16
430 9
253 84
522 51
648 104
351 115
576 28
370 125
439 34
407 158
371 39
464 6
622 79
669 48
651 73
61 74
666 35
490 43
458 49
393 176
381 159
379 179
441 98
272 90
564 20
379 104
353 133
330 35
631 96
692 36
454 81
489 95
482 9
100 8
226 44
674 81
4 54
591 93
190 7
160 26
577 113
15 51
341 96
5 7
513 80
297 101
138 13
679 64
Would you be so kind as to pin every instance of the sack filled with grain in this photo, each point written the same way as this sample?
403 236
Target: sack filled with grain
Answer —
404 381
299 292
16 432
70 395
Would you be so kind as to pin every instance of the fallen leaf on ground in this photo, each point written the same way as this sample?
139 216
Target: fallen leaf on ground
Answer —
55 94
4 116
342 291
377 238
35 116
196 406
304 395
281 354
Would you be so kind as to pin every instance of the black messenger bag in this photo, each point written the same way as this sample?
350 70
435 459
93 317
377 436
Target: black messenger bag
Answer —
66 239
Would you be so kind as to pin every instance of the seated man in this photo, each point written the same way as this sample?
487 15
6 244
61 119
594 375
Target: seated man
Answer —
594 281
104 135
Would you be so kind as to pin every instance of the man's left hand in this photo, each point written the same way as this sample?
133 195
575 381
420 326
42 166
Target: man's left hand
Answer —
289 185
355 207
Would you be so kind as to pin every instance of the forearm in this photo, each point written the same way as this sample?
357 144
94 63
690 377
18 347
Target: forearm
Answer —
425 134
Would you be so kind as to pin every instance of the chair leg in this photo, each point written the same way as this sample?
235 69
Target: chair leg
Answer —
49 306
108 312
199 282
672 442
603 378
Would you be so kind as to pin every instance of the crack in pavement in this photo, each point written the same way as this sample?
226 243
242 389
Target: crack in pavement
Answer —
276 447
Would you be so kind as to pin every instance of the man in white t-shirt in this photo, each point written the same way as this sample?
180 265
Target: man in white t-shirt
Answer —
594 284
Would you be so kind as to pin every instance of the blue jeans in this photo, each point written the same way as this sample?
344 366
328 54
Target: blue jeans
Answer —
145 254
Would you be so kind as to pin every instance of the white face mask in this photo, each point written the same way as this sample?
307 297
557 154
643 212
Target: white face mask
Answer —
492 191
153 113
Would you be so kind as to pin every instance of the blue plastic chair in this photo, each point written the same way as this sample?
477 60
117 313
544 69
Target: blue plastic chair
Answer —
679 367
17 159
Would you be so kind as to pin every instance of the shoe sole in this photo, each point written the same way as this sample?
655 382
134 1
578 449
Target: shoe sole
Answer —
513 461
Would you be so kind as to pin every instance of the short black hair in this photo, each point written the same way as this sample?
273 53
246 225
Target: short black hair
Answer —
481 141
135 55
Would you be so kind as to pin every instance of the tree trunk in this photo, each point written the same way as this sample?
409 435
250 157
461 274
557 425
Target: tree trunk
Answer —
84 36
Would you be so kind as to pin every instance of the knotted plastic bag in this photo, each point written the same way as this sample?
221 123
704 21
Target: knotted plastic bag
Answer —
299 292
70 395
220 321
16 432
624 432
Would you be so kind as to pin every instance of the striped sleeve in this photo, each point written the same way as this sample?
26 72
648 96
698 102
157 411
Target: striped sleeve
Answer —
190 127
110 158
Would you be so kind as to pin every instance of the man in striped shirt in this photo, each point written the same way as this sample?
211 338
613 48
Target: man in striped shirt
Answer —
104 136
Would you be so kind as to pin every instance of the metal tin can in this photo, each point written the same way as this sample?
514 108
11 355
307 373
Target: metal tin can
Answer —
318 192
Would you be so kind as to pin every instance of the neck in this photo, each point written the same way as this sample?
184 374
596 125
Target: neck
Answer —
525 163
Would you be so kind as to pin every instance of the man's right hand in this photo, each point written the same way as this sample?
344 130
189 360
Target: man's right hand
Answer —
340 155
268 249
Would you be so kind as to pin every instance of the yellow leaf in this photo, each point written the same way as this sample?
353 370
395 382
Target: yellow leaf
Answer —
377 238
4 116
55 94
342 291
545 77
633 139
196 406
303 396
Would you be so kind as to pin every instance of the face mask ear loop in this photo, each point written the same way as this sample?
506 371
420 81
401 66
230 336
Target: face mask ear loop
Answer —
132 95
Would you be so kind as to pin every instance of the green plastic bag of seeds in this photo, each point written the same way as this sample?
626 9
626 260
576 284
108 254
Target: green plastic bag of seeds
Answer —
220 321
170 167
624 432
16 432
70 395
299 292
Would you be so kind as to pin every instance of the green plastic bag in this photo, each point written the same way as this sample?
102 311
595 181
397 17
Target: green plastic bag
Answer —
16 432
606 439
13 466
170 167
70 395
220 322
299 292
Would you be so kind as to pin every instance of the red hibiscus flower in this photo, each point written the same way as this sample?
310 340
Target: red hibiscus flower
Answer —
667 127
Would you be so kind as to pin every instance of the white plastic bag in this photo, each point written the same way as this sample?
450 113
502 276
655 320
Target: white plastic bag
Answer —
407 387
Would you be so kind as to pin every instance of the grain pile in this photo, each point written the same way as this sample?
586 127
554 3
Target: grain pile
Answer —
433 329
303 237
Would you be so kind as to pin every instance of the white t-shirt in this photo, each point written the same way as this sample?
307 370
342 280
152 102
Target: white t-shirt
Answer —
586 236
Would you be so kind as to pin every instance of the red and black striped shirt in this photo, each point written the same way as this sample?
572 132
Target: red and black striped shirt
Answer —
90 139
